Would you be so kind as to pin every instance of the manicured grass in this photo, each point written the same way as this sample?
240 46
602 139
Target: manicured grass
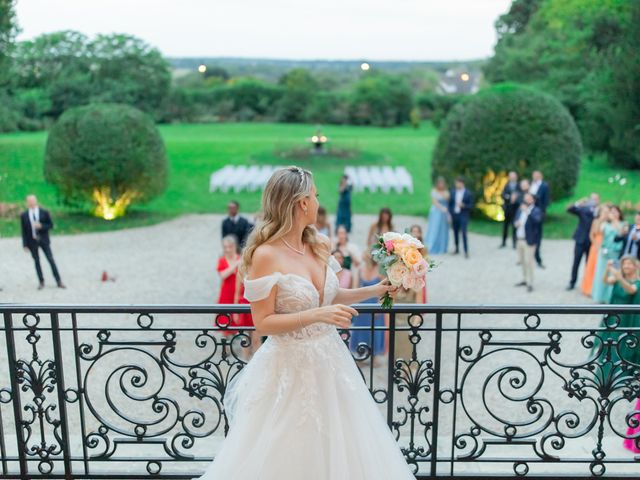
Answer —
195 151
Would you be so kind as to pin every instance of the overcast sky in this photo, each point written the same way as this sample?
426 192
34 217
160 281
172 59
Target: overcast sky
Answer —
292 29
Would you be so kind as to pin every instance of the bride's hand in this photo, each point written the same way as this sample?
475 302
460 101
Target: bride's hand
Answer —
338 315
385 287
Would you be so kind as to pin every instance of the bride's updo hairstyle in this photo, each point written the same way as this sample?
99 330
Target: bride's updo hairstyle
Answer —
284 189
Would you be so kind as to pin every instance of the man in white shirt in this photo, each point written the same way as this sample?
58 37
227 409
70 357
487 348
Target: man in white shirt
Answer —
36 223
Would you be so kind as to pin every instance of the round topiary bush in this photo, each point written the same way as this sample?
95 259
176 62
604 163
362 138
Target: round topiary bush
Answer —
109 154
508 127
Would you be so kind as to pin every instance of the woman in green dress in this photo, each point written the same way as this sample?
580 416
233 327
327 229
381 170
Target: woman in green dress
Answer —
625 291
609 250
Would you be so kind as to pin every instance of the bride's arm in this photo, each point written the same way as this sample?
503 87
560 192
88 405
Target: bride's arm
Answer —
349 296
268 322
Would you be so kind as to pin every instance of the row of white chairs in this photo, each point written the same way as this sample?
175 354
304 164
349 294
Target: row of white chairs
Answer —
384 179
241 177
237 178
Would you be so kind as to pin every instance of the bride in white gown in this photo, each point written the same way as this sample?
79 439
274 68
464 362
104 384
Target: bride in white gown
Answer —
300 409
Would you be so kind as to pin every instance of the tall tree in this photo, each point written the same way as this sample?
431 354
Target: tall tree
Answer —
8 31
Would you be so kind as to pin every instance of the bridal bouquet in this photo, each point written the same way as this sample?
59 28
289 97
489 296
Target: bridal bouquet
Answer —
399 258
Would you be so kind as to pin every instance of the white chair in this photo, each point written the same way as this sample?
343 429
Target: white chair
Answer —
378 180
365 178
253 178
391 180
404 178
352 173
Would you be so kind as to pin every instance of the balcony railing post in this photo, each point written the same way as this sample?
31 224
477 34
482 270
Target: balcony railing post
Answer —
15 393
390 373
59 371
436 394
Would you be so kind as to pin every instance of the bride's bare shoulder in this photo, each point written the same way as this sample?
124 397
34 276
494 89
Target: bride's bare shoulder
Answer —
264 260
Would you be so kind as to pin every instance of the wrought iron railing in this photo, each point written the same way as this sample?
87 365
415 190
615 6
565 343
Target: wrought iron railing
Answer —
138 391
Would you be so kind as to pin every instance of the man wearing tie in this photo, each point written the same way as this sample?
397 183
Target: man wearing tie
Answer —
236 225
36 223
585 210
510 195
630 239
460 204
540 191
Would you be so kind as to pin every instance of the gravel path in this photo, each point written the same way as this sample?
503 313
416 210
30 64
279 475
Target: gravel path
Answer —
174 262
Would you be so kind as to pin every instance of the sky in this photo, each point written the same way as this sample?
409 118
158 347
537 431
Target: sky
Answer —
289 29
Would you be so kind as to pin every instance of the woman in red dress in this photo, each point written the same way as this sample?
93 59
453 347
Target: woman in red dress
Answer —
228 270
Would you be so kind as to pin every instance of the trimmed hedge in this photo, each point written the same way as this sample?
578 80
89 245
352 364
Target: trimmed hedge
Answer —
509 127
105 145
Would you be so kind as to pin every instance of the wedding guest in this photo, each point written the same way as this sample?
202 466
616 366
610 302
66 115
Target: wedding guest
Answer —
437 240
322 224
35 225
350 252
416 232
368 275
610 250
540 190
228 271
510 195
595 237
235 224
528 221
345 276
460 204
585 210
630 238
343 216
624 283
382 226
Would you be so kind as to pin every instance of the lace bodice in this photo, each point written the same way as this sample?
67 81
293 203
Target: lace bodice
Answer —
295 294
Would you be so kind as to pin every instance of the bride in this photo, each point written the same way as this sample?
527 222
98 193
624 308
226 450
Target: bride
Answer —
300 409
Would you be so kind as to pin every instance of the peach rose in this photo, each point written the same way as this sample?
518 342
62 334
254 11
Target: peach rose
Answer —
409 282
396 273
411 256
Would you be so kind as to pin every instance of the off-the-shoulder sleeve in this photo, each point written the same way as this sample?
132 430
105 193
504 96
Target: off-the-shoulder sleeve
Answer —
259 288
333 263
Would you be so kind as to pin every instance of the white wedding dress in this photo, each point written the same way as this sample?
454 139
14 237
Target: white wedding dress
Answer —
300 408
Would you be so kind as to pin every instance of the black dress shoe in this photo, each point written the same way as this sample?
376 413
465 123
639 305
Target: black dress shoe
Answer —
570 287
40 286
61 285
502 246
521 284
466 255
541 265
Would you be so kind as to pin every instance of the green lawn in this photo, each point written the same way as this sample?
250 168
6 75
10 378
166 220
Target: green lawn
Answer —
195 151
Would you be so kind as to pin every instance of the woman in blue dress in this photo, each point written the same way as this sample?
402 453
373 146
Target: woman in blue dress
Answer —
609 250
343 216
368 275
437 240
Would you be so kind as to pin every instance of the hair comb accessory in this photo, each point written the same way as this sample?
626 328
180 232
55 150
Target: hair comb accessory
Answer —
301 173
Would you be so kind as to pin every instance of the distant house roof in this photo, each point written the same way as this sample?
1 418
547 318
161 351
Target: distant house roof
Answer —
459 81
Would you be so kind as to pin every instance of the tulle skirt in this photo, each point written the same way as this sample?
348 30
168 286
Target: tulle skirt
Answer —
300 409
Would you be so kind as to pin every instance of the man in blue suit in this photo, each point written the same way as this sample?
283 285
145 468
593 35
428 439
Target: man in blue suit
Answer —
542 194
460 204
528 230
585 210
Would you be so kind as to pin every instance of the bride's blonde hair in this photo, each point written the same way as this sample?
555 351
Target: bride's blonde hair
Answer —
281 194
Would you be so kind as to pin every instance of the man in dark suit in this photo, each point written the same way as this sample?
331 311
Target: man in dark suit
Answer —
630 239
235 224
36 223
542 194
585 210
528 230
460 204
510 195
